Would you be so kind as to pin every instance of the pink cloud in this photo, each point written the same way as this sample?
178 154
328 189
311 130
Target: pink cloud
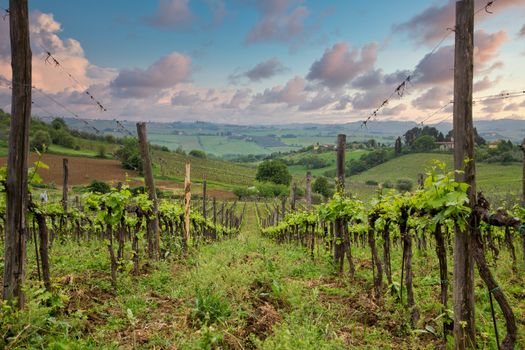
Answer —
485 83
280 21
165 73
171 14
293 93
522 31
430 25
263 70
433 98
339 66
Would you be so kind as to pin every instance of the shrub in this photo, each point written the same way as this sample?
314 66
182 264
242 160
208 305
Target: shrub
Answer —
197 154
323 187
404 185
371 182
273 171
245 192
101 152
388 184
269 190
99 187
62 138
41 140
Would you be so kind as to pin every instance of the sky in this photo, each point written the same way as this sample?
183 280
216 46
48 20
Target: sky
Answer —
264 61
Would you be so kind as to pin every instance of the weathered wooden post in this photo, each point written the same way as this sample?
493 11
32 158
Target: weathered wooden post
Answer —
522 146
214 205
153 231
16 184
187 199
309 190
64 184
464 307
294 196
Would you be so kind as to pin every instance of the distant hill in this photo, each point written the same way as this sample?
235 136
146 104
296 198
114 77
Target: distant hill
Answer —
228 140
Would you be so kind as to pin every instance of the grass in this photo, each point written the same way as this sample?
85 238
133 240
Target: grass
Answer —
246 292
56 149
170 165
499 181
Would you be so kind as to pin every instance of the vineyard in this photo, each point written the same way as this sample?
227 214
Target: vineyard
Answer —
114 242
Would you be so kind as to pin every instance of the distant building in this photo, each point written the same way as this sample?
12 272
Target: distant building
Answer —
495 144
446 145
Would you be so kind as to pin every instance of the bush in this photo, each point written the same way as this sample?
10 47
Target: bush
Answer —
101 152
245 192
371 182
323 187
99 187
388 184
269 190
209 307
41 140
197 154
404 185
129 154
62 138
273 171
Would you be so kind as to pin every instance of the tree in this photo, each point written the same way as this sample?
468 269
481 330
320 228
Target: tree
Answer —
58 123
398 146
323 187
273 171
40 140
424 143
197 154
129 154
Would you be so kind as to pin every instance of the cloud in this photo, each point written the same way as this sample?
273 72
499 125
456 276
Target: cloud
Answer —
320 100
263 70
439 67
238 99
140 83
396 110
339 66
44 32
485 83
522 32
281 21
185 98
171 14
430 25
293 93
433 98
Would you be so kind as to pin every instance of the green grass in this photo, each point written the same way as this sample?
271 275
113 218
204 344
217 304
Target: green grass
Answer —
170 165
496 180
245 292
56 149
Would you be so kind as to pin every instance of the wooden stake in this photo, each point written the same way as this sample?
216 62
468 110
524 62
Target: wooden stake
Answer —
64 184
153 231
309 190
522 146
187 199
16 184
464 307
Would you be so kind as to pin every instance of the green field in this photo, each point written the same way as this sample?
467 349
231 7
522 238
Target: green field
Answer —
171 166
495 180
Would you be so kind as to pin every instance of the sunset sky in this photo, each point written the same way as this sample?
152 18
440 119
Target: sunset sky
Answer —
263 61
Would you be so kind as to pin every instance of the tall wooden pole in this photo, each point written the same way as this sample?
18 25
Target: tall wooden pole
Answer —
16 185
309 190
187 198
340 188
294 196
464 307
153 231
522 146
64 184
204 198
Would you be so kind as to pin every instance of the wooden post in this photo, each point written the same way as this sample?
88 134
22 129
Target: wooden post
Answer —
464 307
214 205
187 198
16 184
153 231
340 188
64 184
283 207
309 190
204 198
294 196
522 146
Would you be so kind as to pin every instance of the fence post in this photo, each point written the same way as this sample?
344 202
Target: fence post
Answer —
309 190
187 198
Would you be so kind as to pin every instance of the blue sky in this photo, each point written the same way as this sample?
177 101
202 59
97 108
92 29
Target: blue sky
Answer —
267 61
